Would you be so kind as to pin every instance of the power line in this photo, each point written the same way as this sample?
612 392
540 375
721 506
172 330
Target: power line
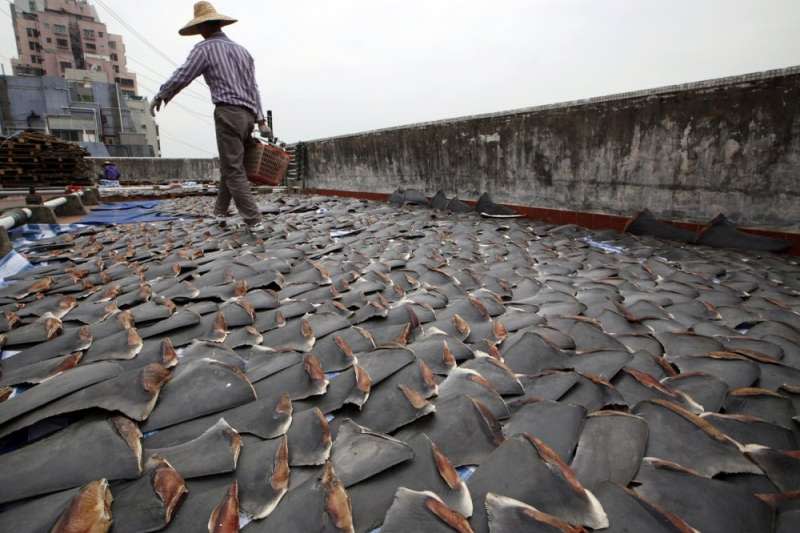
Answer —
139 36
162 77
204 118
184 143
184 92
157 82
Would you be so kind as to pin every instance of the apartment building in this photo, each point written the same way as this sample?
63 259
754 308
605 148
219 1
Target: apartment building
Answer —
57 36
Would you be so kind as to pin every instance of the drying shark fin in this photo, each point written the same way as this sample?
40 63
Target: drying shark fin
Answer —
90 510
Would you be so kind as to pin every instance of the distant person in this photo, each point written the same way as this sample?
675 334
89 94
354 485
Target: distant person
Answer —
229 71
111 171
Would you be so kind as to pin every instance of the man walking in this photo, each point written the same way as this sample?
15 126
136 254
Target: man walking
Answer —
229 72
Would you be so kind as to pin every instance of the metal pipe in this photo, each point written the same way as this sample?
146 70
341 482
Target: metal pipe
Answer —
14 217
24 192
18 216
57 202
119 110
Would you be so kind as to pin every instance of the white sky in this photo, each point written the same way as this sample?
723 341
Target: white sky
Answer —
331 67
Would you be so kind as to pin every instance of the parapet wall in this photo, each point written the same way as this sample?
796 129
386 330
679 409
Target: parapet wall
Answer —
686 152
160 170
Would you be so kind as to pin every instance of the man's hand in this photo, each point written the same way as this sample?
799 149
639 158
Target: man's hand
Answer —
264 129
155 106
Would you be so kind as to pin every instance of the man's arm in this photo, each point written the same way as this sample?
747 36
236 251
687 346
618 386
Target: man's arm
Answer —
183 76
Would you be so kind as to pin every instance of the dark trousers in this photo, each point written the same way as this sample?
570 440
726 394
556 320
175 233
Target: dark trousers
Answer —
234 125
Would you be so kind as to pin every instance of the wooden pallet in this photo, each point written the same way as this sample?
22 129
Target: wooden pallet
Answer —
41 160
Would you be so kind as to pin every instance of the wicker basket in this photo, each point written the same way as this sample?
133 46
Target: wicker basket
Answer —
265 163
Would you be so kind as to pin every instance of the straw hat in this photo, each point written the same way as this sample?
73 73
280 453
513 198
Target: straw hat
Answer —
204 12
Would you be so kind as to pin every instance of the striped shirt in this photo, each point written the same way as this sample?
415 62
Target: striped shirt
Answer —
229 71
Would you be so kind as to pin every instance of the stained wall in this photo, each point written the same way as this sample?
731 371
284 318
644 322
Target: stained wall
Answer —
685 152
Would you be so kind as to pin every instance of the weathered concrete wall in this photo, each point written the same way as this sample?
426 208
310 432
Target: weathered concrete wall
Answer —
159 170
685 152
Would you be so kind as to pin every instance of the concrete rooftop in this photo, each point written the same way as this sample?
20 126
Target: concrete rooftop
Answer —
359 365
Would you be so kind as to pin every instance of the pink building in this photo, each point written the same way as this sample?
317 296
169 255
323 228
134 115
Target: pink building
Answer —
57 36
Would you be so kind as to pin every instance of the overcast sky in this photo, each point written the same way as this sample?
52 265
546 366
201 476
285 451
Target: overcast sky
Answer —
334 67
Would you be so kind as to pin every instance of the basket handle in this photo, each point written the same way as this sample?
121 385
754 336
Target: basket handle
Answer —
264 140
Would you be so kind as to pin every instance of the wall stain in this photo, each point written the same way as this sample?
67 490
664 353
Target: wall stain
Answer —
686 154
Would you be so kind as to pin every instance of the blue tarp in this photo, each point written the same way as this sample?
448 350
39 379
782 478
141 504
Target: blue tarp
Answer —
605 246
26 235
126 213
22 238
121 206
11 265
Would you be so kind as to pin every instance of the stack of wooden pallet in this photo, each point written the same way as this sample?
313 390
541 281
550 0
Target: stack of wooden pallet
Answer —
38 159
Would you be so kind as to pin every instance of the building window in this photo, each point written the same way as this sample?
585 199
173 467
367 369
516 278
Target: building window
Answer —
32 45
49 40
32 5
114 57
62 43
116 69
67 135
112 45
91 47
81 93
124 82
31 71
65 65
100 34
88 34
36 59
59 28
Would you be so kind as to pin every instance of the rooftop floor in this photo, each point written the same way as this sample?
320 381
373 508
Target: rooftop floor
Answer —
355 350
